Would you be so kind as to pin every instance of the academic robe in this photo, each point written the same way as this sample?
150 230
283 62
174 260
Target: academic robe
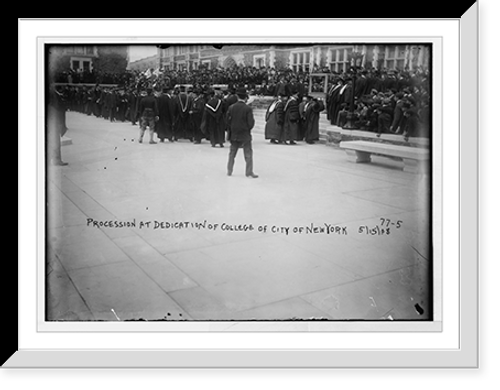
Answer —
182 126
302 120
332 97
196 117
341 97
213 123
311 120
291 120
274 120
112 106
132 110
361 86
164 125
122 107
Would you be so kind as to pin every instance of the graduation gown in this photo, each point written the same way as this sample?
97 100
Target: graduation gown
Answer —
274 120
164 125
291 121
213 124
342 97
196 117
182 124
331 102
311 120
133 104
361 87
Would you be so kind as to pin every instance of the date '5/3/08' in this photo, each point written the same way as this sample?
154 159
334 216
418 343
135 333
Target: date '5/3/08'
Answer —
384 228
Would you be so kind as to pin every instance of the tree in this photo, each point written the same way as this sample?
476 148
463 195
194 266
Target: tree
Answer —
111 59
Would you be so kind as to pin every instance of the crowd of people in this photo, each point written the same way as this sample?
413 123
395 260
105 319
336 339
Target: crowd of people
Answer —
397 103
192 104
183 113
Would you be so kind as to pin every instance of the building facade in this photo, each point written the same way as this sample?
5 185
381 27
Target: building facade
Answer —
336 58
87 58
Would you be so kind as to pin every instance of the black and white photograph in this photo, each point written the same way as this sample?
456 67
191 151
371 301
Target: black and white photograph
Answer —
256 202
235 183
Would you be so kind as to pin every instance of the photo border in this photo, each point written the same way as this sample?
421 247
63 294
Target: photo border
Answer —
256 357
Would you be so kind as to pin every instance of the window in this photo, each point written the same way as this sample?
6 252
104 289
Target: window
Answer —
340 59
86 66
300 61
206 64
259 61
89 50
395 57
391 53
75 65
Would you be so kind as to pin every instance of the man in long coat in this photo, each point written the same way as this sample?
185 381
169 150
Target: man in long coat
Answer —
231 98
133 100
122 100
240 121
182 126
312 109
334 101
197 109
292 117
213 121
275 116
164 125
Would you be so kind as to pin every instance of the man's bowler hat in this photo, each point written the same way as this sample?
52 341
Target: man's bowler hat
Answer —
242 93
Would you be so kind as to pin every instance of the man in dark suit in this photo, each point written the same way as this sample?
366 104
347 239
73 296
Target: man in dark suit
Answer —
230 99
240 121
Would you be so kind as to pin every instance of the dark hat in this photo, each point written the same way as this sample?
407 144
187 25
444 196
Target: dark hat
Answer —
242 93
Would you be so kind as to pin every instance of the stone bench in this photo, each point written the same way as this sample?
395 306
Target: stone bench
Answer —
416 160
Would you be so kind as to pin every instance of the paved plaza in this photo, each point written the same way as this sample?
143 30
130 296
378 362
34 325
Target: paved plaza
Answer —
139 231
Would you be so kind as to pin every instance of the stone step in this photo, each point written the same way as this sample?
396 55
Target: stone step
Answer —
65 140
